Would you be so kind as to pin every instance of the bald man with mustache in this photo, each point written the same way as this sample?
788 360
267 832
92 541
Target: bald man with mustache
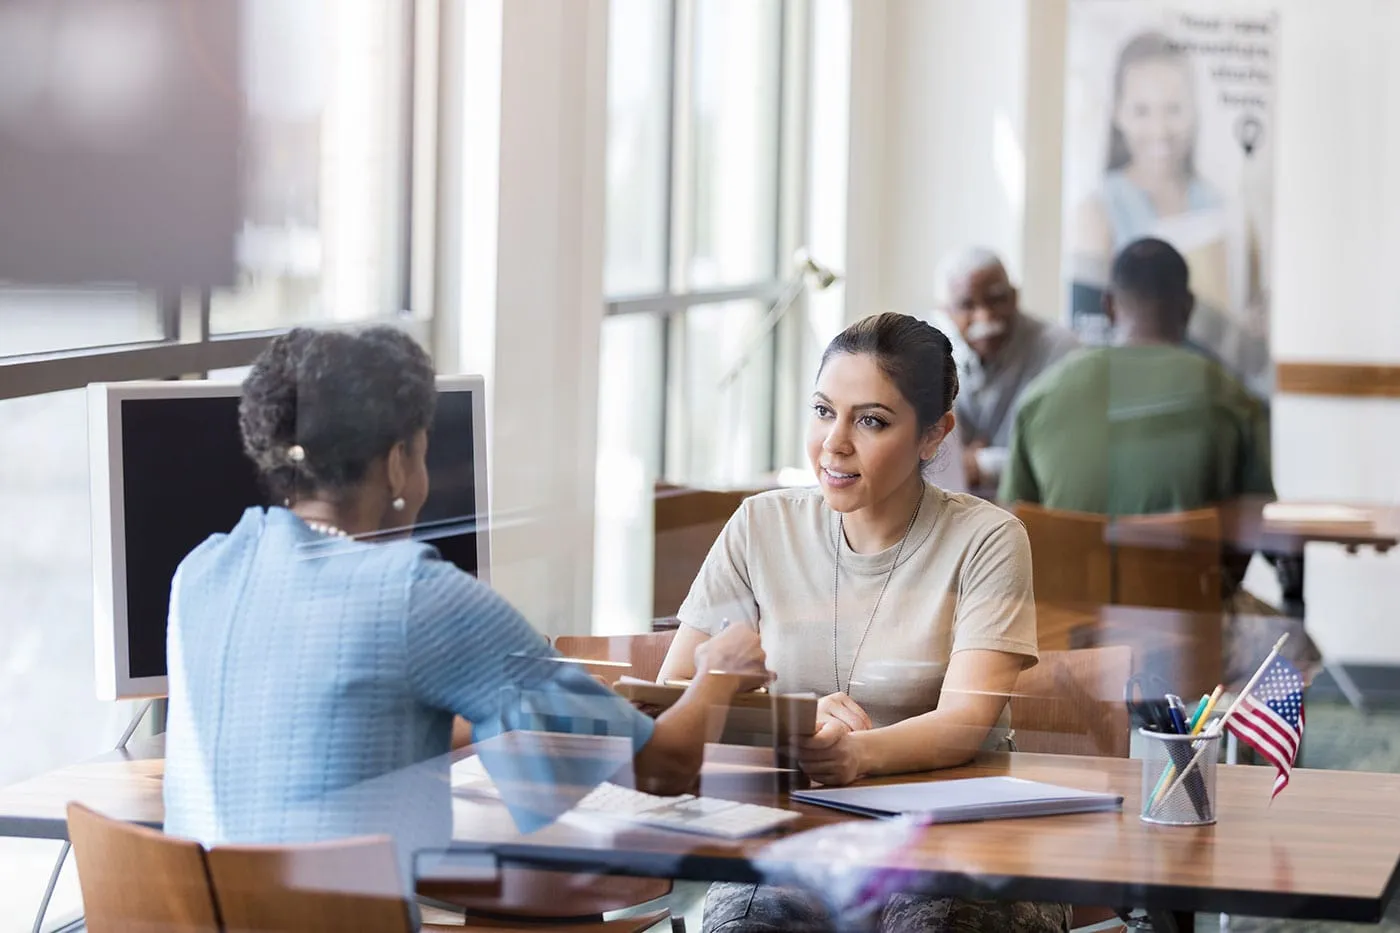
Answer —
998 350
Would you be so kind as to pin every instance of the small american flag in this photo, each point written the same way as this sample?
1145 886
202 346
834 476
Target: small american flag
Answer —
1270 718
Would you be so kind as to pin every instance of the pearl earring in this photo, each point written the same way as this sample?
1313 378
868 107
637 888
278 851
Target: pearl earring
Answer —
398 504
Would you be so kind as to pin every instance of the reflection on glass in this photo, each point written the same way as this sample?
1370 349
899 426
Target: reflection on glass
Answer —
734 142
323 192
639 130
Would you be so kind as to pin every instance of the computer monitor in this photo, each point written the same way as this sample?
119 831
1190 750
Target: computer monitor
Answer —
168 470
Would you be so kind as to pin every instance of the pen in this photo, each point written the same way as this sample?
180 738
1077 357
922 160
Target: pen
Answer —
1177 710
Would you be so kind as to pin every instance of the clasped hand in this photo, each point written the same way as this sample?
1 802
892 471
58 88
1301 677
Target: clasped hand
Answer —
833 756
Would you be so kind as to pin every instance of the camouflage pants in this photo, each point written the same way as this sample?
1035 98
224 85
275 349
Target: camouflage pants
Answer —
747 908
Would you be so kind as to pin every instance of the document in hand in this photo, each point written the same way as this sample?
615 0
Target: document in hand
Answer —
961 801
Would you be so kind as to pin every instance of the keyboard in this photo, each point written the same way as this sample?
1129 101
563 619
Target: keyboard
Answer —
707 816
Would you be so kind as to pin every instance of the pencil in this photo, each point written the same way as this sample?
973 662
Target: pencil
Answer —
1200 722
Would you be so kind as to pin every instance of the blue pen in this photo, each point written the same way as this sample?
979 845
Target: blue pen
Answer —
1178 713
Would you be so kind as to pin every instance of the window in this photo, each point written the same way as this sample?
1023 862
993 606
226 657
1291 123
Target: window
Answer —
43 320
326 85
700 200
639 146
730 164
324 239
326 141
48 705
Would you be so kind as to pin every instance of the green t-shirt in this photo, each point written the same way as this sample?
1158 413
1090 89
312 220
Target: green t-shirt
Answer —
1137 431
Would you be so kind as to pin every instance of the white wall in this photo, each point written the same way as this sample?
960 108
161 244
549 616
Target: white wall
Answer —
1337 235
521 278
971 99
954 149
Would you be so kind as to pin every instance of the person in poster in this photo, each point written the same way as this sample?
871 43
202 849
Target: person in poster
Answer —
1151 185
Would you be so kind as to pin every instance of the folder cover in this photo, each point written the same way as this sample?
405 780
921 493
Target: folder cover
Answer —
965 800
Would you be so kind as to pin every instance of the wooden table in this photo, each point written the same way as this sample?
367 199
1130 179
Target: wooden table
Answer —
1244 526
1328 848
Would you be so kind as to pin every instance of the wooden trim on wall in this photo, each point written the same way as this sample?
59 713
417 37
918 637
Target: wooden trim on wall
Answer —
1355 380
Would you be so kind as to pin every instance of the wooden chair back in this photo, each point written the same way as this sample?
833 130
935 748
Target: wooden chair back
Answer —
134 878
686 524
345 886
1170 561
1071 703
641 654
1071 562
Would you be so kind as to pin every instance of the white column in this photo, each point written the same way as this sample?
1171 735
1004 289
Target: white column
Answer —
521 283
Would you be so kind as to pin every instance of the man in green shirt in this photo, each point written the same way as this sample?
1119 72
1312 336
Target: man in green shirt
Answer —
1143 426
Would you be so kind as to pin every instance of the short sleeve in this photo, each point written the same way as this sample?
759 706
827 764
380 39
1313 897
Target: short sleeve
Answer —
471 653
1018 477
723 591
996 604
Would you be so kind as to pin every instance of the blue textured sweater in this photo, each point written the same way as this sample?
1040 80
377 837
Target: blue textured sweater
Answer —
313 682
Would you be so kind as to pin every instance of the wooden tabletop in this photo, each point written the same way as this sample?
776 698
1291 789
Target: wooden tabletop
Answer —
125 784
1327 848
1244 526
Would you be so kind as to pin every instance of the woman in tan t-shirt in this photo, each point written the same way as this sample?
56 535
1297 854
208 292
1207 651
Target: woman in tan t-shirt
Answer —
908 609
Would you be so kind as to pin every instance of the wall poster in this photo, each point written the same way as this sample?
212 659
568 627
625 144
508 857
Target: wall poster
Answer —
1169 111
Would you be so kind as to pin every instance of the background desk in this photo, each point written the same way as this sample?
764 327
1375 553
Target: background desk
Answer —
1328 848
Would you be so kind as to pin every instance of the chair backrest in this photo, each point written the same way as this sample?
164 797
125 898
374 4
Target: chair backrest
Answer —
687 522
1071 703
134 878
1070 558
345 886
642 654
1170 561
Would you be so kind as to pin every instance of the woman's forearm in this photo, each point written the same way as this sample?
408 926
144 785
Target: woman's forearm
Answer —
924 743
669 762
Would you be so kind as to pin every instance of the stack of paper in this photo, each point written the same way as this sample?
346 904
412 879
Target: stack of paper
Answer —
1315 512
965 800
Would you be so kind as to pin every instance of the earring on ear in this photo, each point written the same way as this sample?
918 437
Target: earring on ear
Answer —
398 504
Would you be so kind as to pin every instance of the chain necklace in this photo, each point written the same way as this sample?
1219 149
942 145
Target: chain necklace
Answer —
836 594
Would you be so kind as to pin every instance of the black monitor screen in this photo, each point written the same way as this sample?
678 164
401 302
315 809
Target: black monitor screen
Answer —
185 477
448 518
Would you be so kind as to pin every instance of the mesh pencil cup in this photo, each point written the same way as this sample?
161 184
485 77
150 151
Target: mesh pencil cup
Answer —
1166 797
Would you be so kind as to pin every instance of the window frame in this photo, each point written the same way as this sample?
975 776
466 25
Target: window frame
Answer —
790 192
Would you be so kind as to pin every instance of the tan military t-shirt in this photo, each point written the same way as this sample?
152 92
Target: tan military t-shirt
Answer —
963 581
